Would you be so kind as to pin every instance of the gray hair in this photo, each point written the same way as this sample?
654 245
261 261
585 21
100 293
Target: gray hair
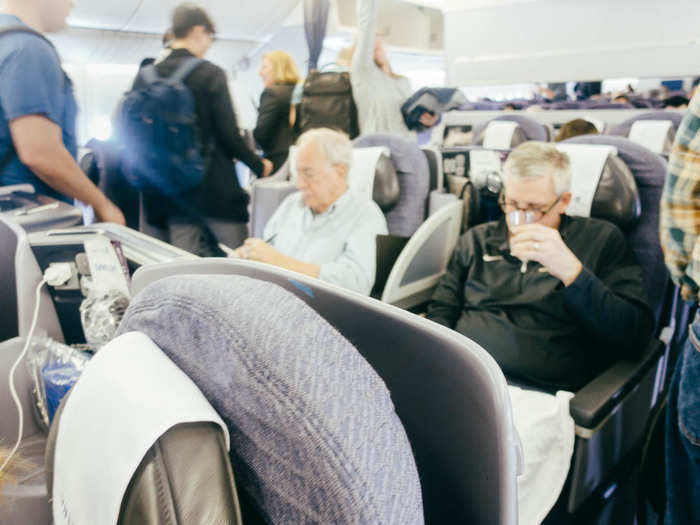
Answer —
335 145
533 160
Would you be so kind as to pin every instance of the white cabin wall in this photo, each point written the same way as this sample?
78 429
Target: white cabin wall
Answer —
510 41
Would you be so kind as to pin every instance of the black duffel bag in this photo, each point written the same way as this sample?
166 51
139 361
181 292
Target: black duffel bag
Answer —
327 102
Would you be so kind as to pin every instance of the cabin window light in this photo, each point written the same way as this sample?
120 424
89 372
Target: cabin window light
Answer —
100 127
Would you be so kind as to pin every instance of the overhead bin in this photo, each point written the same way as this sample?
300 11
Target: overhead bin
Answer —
499 43
402 24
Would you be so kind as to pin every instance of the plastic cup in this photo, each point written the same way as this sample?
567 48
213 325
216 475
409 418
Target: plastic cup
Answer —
519 218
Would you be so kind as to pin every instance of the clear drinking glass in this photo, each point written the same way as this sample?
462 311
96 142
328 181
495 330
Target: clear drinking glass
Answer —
518 218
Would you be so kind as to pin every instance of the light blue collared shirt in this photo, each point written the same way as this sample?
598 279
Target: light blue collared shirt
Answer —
341 240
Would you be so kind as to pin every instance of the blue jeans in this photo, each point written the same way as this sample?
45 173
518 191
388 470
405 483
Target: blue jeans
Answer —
683 435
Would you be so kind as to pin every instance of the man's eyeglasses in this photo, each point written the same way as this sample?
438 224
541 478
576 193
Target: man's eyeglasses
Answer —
509 206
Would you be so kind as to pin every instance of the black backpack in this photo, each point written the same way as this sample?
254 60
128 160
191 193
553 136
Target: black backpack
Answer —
327 102
157 124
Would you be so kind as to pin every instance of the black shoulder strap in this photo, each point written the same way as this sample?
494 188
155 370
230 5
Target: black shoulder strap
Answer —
150 75
188 66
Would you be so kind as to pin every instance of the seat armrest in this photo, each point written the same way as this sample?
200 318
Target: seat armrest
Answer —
422 262
598 398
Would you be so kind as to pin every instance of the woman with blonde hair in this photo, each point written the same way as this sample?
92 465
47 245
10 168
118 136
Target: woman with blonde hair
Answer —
379 93
273 132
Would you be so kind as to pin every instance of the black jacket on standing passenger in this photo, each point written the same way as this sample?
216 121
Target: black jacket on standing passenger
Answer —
220 194
537 329
272 131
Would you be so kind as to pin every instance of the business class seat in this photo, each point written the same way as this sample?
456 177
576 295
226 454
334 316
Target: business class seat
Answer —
612 411
423 230
299 409
22 261
508 131
655 130
457 421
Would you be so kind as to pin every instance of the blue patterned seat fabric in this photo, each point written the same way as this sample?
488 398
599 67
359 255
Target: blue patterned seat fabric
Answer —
414 182
314 434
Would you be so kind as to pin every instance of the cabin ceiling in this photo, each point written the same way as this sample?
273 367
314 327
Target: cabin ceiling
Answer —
234 19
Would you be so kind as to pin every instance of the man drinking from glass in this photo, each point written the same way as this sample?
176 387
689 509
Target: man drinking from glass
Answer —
554 299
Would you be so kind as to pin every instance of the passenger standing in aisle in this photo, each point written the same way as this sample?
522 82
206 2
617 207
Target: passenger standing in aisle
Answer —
378 91
273 131
220 200
680 239
38 143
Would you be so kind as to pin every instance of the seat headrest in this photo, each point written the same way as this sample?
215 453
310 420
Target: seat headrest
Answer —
413 174
503 134
655 135
623 129
127 420
602 185
297 397
372 173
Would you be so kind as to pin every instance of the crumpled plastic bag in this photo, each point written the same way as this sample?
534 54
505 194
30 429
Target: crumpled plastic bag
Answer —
100 313
54 369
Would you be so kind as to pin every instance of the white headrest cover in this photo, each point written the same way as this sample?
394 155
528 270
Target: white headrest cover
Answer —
292 162
129 395
587 164
651 134
499 134
362 169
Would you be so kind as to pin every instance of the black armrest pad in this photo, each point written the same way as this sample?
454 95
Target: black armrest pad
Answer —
596 400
